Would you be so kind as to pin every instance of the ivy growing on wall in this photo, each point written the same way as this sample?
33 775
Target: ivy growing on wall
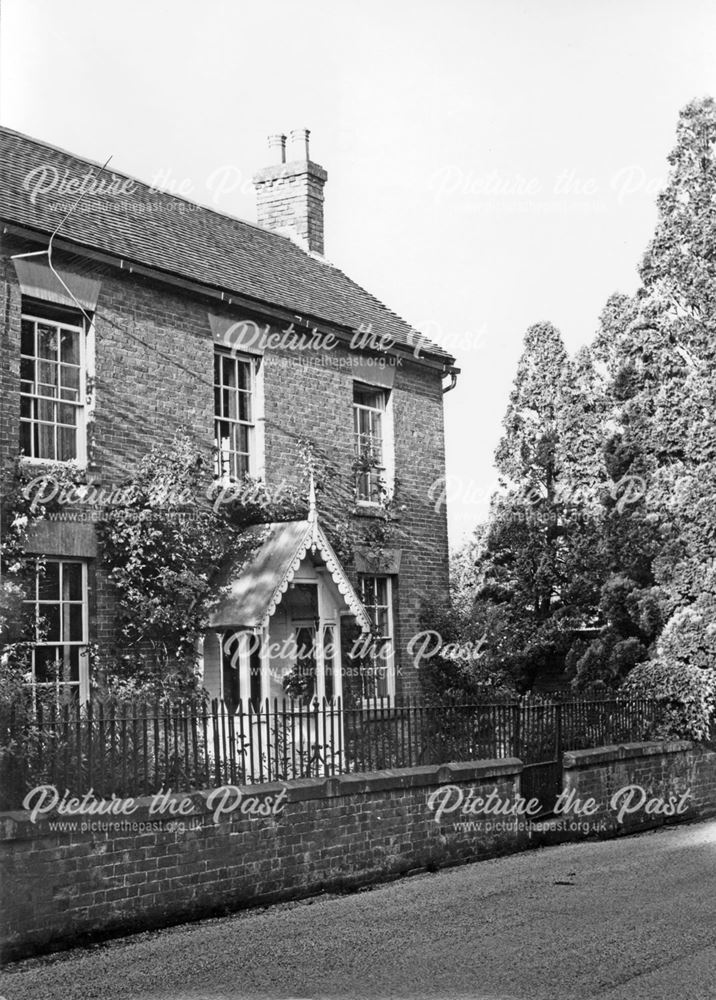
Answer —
163 549
171 539
171 553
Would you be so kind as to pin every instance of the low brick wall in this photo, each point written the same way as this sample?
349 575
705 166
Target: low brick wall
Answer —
676 782
63 886
68 884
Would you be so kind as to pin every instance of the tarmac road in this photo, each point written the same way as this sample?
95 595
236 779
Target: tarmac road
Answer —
618 920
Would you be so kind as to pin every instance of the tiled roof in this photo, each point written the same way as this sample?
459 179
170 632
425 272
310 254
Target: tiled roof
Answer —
161 231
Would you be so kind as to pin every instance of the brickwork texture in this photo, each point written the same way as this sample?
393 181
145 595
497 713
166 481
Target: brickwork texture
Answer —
154 379
63 886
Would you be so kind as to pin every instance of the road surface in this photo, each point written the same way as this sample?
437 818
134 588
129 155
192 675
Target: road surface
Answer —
620 920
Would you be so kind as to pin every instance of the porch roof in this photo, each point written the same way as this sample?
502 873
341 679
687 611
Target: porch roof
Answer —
275 552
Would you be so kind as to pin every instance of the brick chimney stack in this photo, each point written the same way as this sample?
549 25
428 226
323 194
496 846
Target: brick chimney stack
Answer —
289 194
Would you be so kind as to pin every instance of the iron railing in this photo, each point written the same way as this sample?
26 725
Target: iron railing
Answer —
135 750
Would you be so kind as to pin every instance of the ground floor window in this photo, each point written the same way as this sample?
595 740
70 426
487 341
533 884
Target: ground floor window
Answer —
305 668
59 608
241 670
378 674
331 682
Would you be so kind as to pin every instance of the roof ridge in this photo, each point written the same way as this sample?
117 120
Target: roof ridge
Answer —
149 187
213 247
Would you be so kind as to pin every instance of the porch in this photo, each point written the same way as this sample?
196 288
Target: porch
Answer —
277 633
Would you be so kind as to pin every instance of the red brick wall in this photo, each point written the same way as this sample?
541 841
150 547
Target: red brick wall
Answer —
60 886
337 833
154 371
316 401
10 367
678 768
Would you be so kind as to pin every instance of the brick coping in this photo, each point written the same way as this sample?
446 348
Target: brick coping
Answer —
578 759
17 825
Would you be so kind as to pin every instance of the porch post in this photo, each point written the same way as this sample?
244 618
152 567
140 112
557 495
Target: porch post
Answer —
219 633
320 663
265 664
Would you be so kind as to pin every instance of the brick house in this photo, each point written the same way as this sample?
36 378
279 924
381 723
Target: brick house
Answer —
153 316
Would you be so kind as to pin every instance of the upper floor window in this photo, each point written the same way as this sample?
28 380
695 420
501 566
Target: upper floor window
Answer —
52 384
60 610
234 416
369 412
378 680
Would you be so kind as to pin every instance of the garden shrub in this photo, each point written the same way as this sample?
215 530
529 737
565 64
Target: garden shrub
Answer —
686 696
689 637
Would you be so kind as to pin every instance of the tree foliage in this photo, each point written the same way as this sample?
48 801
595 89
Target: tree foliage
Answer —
600 548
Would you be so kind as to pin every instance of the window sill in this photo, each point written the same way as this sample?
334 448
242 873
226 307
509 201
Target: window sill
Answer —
28 460
368 508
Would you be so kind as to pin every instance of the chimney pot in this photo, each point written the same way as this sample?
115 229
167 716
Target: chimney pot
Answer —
289 195
299 143
278 142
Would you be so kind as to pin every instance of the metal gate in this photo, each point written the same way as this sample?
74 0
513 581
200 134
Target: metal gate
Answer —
538 743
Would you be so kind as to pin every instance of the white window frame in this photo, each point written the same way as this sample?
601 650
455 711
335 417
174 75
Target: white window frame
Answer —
36 603
385 472
334 626
245 640
33 313
389 639
297 625
254 425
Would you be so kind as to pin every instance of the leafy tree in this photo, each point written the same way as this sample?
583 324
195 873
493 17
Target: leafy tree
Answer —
459 661
541 553
601 545
658 348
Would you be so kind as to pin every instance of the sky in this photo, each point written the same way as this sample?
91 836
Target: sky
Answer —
491 163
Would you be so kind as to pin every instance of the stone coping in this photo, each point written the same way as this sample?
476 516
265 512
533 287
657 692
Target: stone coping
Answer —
16 825
578 759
